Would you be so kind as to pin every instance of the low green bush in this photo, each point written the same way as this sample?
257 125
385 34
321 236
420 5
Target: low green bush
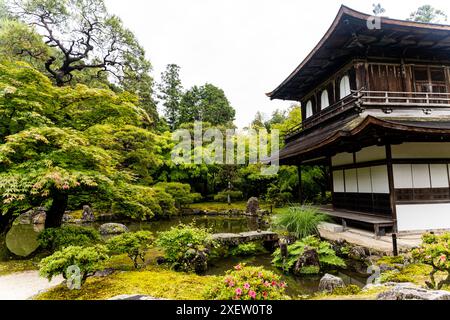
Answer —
435 252
300 222
234 196
73 261
182 243
134 244
180 192
327 256
247 249
65 236
248 283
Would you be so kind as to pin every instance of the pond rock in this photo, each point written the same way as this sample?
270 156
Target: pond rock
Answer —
112 228
33 216
329 282
408 291
252 206
88 214
308 262
357 253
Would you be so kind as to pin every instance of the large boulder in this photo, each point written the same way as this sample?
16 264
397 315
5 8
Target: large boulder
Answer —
112 228
329 282
88 214
308 262
357 253
252 206
33 216
408 291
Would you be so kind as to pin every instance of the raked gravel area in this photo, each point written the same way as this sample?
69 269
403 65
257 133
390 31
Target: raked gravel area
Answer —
24 285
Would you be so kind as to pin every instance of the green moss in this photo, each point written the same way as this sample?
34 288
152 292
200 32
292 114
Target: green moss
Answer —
391 261
154 281
8 267
351 294
415 273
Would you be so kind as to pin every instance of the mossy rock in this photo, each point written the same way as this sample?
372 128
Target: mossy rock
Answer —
22 240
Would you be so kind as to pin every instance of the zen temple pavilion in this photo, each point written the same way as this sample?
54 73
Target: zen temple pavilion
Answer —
375 103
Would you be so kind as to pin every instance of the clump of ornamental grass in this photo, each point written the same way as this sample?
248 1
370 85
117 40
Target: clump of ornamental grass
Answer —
300 222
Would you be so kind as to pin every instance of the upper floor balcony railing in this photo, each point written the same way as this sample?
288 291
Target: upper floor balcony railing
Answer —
371 99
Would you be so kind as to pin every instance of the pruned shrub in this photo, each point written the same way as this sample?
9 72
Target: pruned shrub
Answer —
65 236
326 255
186 247
223 195
248 283
180 192
435 252
134 244
85 260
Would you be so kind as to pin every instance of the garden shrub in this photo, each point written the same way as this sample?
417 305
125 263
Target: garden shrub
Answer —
277 197
248 283
180 192
327 256
247 249
300 222
135 245
65 236
87 259
183 244
435 252
234 195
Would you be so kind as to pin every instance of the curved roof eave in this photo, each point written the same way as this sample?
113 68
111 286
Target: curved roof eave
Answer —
358 15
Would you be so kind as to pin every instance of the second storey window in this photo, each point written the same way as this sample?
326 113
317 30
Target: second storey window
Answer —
345 87
309 110
324 102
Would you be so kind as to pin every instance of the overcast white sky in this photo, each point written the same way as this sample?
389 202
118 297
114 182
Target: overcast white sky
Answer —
245 47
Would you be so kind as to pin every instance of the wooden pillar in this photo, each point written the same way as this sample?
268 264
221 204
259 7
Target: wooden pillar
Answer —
330 165
392 197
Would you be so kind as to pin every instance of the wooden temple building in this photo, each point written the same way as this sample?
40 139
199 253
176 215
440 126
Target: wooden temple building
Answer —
376 110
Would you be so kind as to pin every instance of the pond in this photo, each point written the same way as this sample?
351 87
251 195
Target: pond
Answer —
297 285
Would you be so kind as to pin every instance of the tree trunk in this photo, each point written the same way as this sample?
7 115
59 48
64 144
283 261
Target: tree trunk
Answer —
6 221
56 211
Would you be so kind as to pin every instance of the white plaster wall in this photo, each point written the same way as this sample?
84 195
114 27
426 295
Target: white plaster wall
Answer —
380 180
402 176
371 154
364 180
421 176
420 217
351 180
420 150
439 176
338 181
342 159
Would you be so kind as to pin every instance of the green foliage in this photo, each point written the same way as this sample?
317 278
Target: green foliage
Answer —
135 245
246 249
235 195
170 93
88 259
206 103
299 221
428 14
414 273
179 240
435 252
65 236
181 193
327 256
248 283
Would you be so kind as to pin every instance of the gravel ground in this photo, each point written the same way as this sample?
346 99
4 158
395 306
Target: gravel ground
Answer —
24 285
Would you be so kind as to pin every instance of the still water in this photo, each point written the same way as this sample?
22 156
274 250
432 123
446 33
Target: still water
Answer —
23 239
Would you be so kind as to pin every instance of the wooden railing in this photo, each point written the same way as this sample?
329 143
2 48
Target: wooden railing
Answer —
330 112
408 99
363 98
